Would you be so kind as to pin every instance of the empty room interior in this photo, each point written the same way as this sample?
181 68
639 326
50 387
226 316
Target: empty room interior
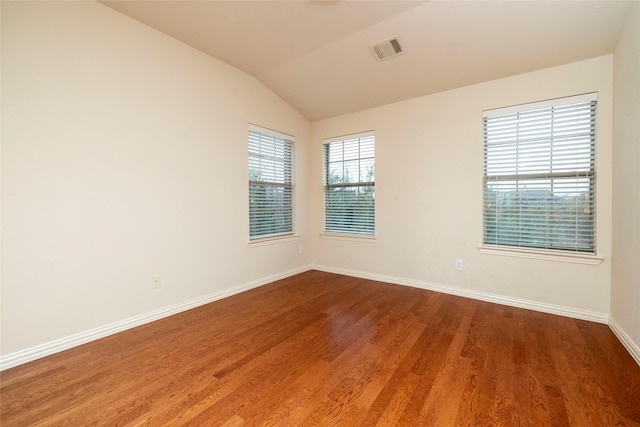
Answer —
320 212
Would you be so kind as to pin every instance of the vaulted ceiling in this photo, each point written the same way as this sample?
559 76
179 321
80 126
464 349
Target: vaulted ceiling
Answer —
315 53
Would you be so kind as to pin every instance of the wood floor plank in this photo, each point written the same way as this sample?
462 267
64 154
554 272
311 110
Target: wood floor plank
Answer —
323 349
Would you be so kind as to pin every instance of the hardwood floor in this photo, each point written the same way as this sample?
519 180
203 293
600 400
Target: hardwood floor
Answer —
323 349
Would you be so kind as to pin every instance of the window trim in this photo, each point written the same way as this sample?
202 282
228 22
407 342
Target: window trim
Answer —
573 255
264 241
349 237
541 254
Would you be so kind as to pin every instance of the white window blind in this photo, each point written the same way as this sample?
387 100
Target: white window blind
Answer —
270 183
539 175
349 184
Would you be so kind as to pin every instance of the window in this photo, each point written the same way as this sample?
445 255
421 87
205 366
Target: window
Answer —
349 184
539 175
270 206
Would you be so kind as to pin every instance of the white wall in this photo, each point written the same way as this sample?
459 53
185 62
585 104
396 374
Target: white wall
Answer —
124 155
429 156
625 291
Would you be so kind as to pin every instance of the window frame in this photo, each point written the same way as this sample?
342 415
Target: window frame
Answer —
282 178
551 251
358 229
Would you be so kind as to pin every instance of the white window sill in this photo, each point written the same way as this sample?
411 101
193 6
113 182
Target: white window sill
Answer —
547 255
273 240
349 237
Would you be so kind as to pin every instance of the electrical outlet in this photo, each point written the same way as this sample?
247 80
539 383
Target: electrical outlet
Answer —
155 281
300 249
458 265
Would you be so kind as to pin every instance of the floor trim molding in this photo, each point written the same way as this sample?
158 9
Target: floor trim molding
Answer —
482 296
20 357
625 339
39 351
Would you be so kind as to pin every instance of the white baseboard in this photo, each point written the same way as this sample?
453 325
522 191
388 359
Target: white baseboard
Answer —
627 342
482 296
36 352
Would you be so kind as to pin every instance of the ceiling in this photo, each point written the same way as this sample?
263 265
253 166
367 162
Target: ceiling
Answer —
315 54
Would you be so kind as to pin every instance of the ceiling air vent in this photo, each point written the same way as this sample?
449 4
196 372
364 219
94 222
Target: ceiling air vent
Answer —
386 49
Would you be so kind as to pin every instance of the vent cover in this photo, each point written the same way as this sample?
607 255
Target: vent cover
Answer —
386 49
